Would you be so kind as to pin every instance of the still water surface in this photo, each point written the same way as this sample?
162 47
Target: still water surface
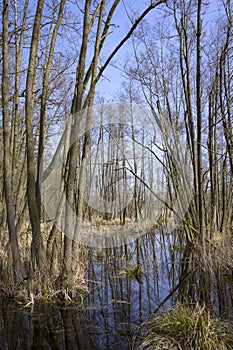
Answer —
115 306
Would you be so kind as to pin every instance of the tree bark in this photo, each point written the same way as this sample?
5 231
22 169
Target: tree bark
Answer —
34 210
17 269
44 95
199 124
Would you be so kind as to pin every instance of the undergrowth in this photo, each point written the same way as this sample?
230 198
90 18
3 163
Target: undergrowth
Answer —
187 327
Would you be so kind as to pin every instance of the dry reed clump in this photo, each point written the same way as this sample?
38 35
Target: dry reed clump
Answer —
45 284
223 255
187 327
216 255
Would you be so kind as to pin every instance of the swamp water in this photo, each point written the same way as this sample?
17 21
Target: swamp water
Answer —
120 298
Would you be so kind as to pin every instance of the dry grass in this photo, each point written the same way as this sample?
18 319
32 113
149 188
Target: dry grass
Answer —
187 327
217 255
43 285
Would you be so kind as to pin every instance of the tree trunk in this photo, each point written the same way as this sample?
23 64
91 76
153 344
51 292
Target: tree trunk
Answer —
199 125
34 210
44 96
17 269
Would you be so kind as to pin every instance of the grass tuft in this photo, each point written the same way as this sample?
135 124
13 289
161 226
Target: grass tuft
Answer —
186 327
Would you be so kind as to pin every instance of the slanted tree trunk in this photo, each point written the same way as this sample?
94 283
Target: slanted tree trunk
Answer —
92 76
73 152
44 96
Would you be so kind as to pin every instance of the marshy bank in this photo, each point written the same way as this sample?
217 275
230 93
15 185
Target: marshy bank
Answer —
86 155
187 327
124 287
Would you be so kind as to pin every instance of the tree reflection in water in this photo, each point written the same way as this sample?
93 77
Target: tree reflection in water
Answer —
118 301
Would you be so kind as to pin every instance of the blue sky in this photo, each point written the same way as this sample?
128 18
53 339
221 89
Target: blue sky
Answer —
113 76
111 83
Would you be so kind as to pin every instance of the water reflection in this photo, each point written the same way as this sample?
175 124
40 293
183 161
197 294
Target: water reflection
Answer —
117 301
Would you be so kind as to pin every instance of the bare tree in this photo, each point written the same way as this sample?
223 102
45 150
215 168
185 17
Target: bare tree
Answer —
17 269
83 77
34 210
199 124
